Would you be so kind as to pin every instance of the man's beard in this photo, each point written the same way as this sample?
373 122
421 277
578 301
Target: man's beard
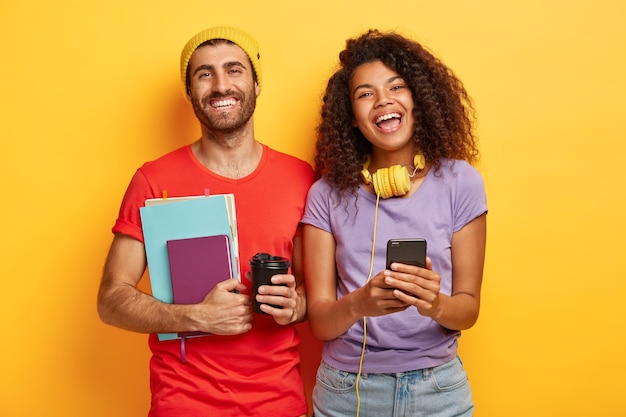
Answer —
227 122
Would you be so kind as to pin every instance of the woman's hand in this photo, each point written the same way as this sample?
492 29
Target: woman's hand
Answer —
415 286
377 298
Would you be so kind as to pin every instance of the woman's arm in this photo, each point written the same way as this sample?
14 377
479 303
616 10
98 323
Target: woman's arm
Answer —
458 311
329 318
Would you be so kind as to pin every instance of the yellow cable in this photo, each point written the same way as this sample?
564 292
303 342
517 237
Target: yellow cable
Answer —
369 276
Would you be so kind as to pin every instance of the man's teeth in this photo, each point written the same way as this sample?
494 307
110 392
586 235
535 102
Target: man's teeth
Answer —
387 117
224 103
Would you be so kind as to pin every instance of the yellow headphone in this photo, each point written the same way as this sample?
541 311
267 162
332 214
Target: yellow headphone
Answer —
392 181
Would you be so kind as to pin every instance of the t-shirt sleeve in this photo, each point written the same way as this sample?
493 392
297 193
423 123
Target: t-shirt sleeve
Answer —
471 200
316 211
129 221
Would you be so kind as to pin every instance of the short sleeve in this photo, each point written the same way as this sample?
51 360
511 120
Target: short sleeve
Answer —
470 199
129 221
317 210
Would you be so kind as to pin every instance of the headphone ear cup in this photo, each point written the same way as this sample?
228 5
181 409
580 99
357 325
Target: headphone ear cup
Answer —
385 183
389 182
392 181
402 180
367 177
393 184
376 182
375 178
419 162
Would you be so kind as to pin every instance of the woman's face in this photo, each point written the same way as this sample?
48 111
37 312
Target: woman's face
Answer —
382 104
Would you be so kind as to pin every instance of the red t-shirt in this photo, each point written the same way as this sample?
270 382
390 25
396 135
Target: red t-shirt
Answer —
256 373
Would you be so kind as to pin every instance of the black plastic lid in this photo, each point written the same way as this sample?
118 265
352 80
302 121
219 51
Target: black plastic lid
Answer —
265 260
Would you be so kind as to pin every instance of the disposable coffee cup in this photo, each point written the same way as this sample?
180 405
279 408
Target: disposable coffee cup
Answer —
263 267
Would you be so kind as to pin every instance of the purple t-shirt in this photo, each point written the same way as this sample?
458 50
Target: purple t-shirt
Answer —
445 202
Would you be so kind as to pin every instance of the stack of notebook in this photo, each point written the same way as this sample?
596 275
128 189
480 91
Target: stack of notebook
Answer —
191 245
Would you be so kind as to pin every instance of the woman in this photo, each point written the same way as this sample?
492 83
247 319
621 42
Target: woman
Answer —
394 155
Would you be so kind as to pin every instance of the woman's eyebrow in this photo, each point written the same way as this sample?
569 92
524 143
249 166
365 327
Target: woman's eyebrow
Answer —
366 85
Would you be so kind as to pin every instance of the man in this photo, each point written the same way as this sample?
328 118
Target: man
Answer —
249 365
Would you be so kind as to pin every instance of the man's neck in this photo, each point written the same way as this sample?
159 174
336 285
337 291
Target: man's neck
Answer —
229 154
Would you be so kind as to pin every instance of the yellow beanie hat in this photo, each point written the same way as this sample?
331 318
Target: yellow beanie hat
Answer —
241 38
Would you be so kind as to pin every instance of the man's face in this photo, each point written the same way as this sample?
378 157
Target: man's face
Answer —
221 87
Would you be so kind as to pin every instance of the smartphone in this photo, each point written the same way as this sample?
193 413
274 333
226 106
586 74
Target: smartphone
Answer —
406 251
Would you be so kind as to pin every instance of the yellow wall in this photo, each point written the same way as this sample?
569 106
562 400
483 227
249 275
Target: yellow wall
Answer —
89 91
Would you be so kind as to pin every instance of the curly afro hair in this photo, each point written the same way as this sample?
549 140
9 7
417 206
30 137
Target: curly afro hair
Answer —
443 112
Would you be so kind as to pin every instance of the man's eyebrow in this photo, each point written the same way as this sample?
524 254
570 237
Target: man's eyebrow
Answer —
226 65
203 67
234 64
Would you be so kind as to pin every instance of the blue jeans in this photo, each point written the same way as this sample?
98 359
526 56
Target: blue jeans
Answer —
442 391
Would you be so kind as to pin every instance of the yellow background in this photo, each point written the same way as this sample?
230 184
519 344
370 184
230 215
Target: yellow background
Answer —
89 91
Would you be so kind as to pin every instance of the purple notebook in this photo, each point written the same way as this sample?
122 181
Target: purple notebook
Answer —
196 265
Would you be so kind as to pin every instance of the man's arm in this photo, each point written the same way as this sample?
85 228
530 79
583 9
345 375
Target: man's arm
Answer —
121 304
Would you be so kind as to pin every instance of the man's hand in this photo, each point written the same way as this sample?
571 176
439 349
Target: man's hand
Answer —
223 311
283 293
